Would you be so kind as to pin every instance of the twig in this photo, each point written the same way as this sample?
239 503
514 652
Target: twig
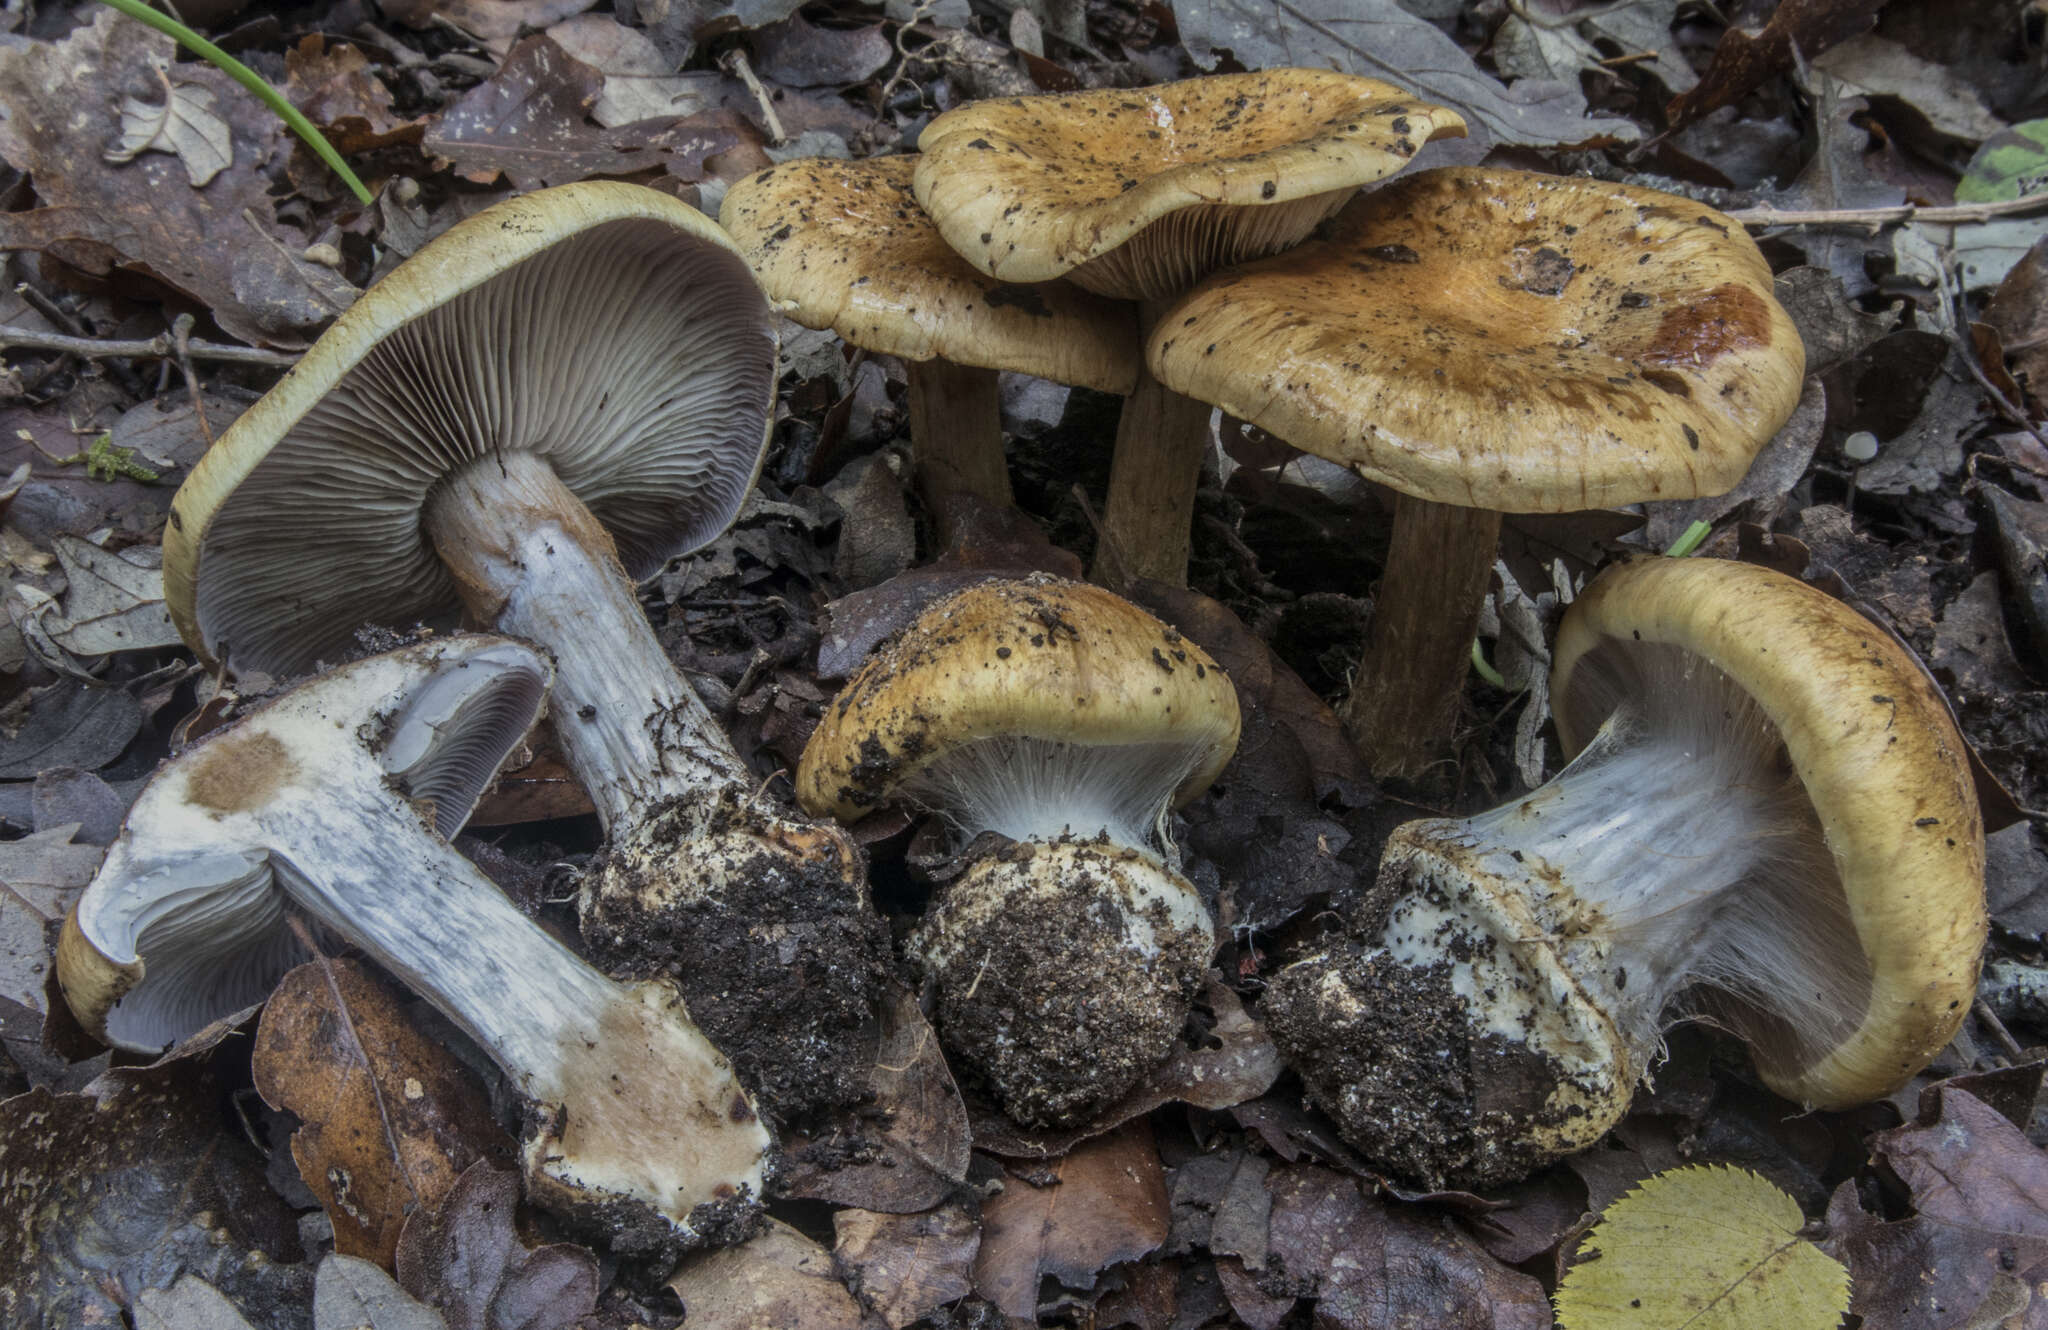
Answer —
181 348
162 345
735 62
1952 315
1904 212
1617 61
62 317
1999 1032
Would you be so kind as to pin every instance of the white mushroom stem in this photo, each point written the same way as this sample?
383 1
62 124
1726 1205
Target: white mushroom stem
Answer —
1403 705
1149 512
956 430
634 1103
531 560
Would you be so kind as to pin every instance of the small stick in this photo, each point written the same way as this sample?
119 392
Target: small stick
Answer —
1876 217
163 344
1999 1032
181 347
735 61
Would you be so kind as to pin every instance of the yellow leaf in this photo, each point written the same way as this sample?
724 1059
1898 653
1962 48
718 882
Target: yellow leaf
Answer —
1705 1248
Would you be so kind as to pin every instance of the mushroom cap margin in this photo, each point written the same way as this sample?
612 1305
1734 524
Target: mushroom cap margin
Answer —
1881 760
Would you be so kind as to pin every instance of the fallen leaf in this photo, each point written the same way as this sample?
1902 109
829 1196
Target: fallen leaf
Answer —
351 1294
1837 175
1980 1222
185 126
1797 30
1381 39
1106 1204
332 83
142 217
388 1119
70 724
1548 44
2019 527
530 123
495 23
65 798
1833 330
1764 489
800 54
2011 164
40 876
639 82
1715 1248
904 1267
1875 66
779 1279
906 1148
114 602
128 1186
464 1260
189 1304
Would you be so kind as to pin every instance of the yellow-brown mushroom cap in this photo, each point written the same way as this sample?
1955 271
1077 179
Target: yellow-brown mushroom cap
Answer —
1038 659
844 246
1504 340
1220 169
1882 763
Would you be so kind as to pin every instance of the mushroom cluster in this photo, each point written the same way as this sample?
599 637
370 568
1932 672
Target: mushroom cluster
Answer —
964 254
1768 820
1054 726
336 801
546 402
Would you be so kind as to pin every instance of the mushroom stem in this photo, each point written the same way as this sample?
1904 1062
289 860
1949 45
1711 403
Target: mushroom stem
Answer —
531 560
1147 515
634 1103
1404 697
956 430
1538 947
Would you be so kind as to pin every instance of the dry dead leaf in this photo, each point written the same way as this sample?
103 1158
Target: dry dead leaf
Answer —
333 85
530 122
114 602
1106 1204
639 83
495 23
1797 30
464 1259
779 1279
184 126
142 217
904 1267
389 1120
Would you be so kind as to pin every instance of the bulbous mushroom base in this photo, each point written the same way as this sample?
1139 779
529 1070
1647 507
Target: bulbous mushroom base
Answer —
1445 1035
1063 972
763 922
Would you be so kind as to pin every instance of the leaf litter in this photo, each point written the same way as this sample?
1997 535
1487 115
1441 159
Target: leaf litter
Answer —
147 185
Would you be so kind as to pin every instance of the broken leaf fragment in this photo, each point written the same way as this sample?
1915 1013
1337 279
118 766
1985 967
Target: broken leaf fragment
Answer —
1702 1247
185 125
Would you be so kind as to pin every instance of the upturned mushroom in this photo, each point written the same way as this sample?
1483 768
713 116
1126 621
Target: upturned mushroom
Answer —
1139 194
1768 821
544 403
336 801
1488 342
1054 726
844 246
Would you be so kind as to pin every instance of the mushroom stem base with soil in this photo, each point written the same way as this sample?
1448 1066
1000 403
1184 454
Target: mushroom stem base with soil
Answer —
532 561
956 432
637 1126
1504 985
695 867
1404 698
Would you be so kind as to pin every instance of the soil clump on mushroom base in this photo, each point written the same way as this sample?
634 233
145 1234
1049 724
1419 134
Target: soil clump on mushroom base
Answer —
1055 973
776 956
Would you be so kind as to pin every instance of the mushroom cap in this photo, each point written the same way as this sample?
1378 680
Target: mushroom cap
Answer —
845 246
183 924
1887 773
1032 188
606 326
1504 340
1040 658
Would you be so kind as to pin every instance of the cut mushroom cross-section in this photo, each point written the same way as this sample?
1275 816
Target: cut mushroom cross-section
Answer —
1769 822
335 801
1139 193
556 395
1054 725
1488 342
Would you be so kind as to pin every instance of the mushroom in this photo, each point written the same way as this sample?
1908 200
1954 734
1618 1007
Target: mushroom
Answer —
336 800
845 246
1054 725
1768 820
566 381
1489 341
1141 193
